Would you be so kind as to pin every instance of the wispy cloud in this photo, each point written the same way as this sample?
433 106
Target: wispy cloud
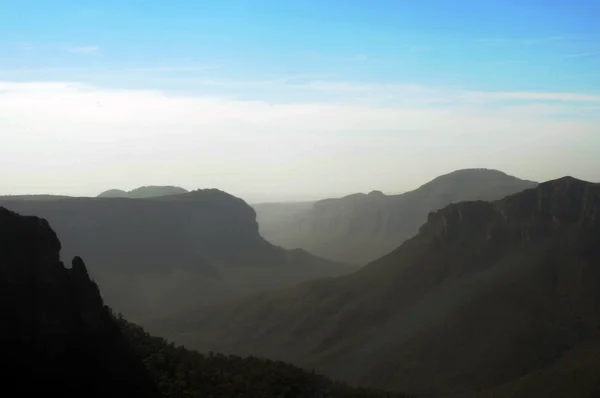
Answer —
539 96
417 48
580 55
174 68
502 41
547 39
24 45
84 49
492 41
356 57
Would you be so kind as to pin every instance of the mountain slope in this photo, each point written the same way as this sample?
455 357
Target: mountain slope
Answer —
172 253
183 373
485 294
363 227
58 338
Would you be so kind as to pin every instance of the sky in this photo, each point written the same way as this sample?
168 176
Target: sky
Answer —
276 100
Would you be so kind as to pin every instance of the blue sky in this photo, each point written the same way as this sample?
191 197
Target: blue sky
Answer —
544 45
531 61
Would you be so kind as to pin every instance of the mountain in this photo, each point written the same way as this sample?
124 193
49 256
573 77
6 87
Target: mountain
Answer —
143 192
162 255
488 297
363 227
32 197
58 338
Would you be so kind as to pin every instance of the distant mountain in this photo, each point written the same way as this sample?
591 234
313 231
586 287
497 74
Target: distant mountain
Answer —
488 298
363 227
58 338
32 197
161 255
143 192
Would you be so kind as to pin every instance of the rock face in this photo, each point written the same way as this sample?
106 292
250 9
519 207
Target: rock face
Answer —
56 335
487 295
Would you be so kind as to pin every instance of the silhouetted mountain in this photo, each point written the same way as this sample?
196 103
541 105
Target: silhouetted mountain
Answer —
363 227
114 193
143 192
501 296
32 197
58 338
56 335
162 255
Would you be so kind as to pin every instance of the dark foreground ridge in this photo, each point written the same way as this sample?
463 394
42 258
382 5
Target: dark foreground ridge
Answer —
58 338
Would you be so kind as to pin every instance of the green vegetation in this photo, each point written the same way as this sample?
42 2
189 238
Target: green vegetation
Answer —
181 373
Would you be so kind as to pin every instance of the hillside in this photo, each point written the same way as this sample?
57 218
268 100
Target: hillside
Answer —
163 255
183 373
363 227
143 192
487 295
58 338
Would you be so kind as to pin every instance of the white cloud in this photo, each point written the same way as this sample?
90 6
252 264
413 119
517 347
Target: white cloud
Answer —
78 138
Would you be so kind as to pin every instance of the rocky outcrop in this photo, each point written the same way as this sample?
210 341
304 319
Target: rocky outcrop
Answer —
529 216
56 335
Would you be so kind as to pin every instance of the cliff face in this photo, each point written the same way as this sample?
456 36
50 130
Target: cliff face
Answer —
533 215
56 335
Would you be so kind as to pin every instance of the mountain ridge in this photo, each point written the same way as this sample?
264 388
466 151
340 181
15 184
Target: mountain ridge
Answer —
146 191
173 252
361 227
58 338
484 294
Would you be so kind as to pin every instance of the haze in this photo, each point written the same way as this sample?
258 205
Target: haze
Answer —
278 101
